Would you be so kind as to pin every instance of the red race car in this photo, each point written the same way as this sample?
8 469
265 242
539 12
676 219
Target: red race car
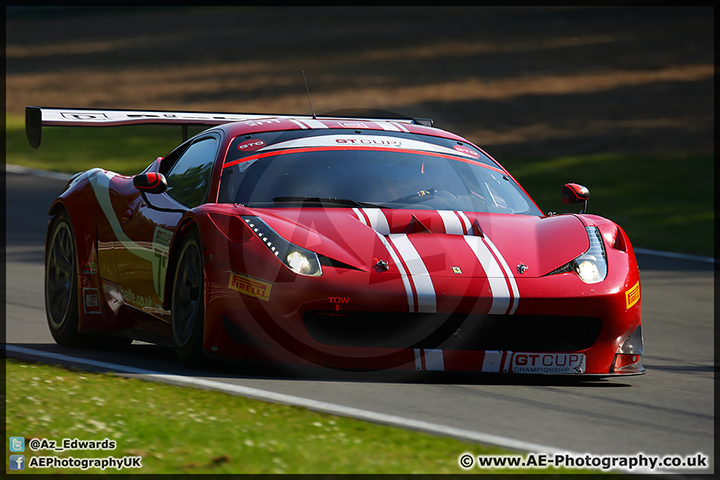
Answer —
349 243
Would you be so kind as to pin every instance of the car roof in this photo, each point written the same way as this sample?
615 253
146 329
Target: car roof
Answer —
284 123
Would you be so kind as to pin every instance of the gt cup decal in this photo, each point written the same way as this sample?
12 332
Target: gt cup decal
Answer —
548 363
364 141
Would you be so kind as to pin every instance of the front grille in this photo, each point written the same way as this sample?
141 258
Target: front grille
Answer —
453 331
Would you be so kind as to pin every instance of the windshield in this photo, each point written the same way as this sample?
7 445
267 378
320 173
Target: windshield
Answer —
385 171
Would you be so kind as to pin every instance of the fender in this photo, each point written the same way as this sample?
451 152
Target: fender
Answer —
77 201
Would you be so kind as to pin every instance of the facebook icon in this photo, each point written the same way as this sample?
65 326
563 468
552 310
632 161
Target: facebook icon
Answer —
17 462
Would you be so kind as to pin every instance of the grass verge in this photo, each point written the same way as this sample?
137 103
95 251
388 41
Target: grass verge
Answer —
664 202
184 430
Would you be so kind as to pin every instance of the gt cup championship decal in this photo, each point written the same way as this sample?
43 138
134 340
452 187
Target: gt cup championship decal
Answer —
497 361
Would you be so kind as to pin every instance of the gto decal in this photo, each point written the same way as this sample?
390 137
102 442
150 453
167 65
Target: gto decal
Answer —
250 287
251 145
633 295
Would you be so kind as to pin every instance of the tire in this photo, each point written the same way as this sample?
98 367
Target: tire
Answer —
61 295
61 291
188 302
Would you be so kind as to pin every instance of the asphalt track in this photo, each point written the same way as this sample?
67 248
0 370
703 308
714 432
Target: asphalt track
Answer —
668 411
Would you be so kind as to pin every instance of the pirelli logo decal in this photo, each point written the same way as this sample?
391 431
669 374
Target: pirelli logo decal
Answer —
632 295
249 286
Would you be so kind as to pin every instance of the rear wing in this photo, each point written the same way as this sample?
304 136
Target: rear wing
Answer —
38 117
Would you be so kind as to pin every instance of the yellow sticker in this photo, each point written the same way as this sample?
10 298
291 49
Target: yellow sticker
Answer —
633 295
457 270
249 286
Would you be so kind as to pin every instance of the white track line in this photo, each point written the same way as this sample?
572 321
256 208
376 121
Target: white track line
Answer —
340 410
682 256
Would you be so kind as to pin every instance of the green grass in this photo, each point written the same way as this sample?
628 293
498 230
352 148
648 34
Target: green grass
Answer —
127 150
184 430
664 202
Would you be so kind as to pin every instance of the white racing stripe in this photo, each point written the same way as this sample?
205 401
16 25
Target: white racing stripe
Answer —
299 124
388 126
430 359
434 359
467 225
419 275
452 222
399 126
378 221
417 280
315 124
403 274
100 182
508 273
494 273
492 362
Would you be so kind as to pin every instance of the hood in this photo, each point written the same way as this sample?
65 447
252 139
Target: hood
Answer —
442 243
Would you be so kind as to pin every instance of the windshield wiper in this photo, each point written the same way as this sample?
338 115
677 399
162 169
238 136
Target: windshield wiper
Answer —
323 202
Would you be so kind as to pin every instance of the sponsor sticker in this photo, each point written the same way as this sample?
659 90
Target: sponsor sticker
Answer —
632 295
89 268
466 151
548 363
368 142
249 286
161 252
353 125
91 300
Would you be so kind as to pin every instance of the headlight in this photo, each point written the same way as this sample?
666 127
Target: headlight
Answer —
298 259
591 266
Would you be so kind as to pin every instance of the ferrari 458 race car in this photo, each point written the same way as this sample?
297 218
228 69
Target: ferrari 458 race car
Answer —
343 242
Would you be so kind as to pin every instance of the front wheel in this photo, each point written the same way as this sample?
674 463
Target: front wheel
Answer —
188 302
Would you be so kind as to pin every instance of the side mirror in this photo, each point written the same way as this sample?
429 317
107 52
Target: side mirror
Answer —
150 182
573 193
